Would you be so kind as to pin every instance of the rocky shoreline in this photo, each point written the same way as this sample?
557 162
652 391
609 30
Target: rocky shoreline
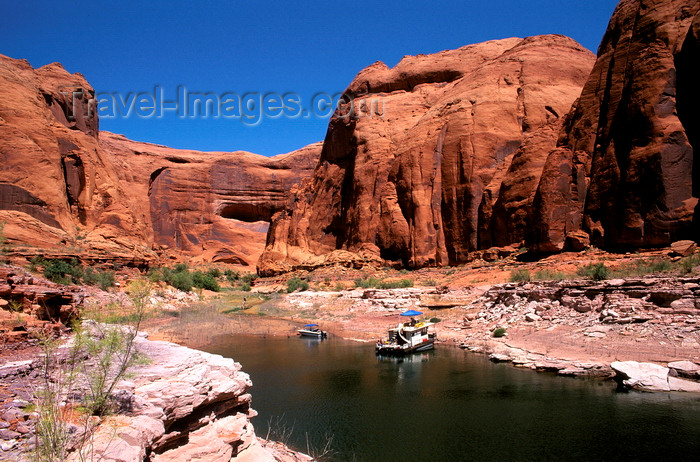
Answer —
183 405
570 327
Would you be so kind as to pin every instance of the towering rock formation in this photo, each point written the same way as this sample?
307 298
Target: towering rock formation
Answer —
55 182
66 186
216 206
433 159
623 171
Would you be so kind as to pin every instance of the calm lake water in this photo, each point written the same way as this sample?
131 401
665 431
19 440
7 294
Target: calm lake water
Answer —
449 405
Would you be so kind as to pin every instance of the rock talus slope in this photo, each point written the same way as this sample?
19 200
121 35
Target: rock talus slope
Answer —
429 160
623 171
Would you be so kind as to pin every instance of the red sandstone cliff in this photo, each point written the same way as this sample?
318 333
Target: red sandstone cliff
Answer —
65 186
623 169
213 205
443 157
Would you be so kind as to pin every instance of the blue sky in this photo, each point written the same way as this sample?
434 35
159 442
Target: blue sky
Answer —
260 47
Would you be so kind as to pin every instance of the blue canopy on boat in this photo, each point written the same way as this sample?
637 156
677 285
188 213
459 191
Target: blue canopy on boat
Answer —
411 313
311 325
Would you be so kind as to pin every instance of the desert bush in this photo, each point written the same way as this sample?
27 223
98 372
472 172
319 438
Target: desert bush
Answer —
231 275
103 279
549 275
367 283
295 284
83 378
595 271
214 272
688 264
249 278
499 332
205 281
642 267
62 272
181 280
520 275
403 283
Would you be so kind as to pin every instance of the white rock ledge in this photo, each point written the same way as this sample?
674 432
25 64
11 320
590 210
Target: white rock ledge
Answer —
184 405
651 377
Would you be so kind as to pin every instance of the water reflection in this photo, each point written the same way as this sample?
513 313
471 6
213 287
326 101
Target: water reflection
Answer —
450 405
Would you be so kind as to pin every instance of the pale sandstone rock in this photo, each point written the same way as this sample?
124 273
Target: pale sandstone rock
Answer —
642 376
651 377
204 396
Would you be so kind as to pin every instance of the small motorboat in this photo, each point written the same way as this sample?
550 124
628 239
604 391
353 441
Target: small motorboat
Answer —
312 330
408 337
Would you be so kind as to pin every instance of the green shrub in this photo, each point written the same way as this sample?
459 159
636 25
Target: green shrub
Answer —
367 283
520 275
295 284
643 267
214 272
435 320
181 280
403 283
35 263
103 279
245 287
499 332
249 278
595 271
688 264
62 272
339 287
205 281
231 275
549 275
155 275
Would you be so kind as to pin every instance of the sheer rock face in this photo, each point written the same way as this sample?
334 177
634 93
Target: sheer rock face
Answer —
55 178
215 205
623 171
443 151
61 186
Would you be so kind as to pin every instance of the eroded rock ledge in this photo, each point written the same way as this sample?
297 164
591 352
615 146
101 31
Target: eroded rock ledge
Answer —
650 309
184 405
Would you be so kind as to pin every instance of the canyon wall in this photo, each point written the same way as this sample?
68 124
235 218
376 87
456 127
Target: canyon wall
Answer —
510 142
623 170
66 187
215 206
433 159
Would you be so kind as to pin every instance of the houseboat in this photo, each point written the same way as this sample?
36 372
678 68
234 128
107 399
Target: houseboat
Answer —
407 337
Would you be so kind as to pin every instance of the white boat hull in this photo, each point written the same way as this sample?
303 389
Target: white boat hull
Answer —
394 349
312 333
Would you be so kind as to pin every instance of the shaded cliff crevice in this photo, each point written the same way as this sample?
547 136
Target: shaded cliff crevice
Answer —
637 174
687 63
13 197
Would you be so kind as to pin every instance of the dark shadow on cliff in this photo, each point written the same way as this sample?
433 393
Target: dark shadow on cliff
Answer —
688 103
